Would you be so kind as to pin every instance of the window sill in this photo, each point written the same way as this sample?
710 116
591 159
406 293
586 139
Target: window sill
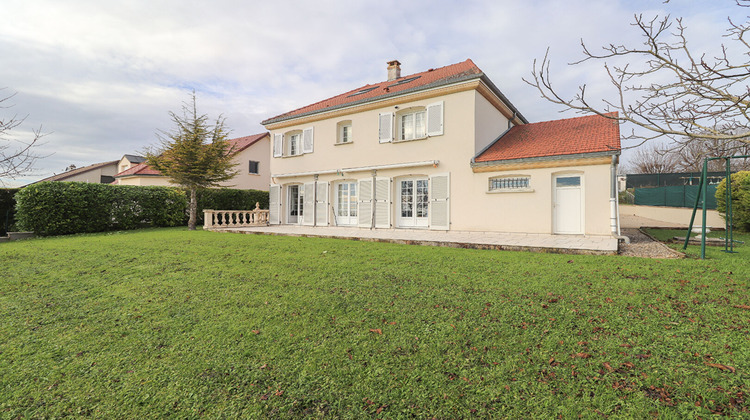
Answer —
290 156
404 141
509 191
343 144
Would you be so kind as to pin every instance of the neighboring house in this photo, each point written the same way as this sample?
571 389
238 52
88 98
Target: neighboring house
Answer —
128 161
98 173
252 166
442 149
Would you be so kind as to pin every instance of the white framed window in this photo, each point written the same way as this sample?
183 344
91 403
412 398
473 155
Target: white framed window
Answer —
294 144
412 124
511 183
344 132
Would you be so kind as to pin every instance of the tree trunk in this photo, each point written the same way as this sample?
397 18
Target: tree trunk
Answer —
193 208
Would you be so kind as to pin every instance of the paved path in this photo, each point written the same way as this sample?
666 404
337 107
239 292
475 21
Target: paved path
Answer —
572 244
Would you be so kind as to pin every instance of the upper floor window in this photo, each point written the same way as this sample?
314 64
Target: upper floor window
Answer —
253 167
412 125
293 143
344 132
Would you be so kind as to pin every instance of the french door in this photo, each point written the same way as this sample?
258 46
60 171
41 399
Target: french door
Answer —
295 200
346 204
413 197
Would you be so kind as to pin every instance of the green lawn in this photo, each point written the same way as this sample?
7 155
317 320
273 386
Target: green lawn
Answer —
159 323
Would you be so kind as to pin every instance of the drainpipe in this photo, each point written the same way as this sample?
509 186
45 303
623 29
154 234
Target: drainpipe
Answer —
315 200
614 210
374 201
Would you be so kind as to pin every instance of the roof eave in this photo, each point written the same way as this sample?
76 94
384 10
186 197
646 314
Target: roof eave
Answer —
615 152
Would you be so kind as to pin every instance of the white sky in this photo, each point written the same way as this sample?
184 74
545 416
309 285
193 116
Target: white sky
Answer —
100 76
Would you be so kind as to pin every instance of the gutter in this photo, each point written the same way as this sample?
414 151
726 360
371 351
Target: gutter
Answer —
360 169
475 164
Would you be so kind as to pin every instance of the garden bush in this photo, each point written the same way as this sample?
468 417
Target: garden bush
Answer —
58 208
230 199
740 200
7 209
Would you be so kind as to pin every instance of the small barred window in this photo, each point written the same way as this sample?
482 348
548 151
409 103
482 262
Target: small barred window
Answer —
509 184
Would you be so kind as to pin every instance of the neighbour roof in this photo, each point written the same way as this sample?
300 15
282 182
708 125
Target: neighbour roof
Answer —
77 171
142 169
242 143
431 78
570 136
135 158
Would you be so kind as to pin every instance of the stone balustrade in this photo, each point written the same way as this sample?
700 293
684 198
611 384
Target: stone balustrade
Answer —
235 218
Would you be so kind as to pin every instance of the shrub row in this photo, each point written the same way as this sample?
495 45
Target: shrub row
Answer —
59 208
740 199
7 209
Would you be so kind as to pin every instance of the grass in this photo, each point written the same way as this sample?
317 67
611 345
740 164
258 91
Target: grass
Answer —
171 323
741 245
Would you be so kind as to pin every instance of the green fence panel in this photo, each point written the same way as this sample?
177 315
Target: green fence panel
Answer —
674 196
650 197
677 196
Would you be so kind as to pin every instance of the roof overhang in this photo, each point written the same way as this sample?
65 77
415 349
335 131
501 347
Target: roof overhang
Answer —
556 161
479 82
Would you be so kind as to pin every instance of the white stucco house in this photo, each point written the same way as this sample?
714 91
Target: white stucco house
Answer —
443 149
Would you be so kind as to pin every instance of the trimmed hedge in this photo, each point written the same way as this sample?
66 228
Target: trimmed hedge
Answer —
230 199
59 208
740 199
7 209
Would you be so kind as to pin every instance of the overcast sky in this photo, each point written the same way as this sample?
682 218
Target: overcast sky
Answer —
100 76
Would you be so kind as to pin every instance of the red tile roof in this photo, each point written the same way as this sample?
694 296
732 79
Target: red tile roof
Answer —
140 169
240 144
465 70
570 136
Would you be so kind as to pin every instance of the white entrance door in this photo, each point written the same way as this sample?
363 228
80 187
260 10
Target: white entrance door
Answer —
413 198
346 204
568 205
295 204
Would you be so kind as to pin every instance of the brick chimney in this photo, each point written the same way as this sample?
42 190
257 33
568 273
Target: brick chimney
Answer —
394 70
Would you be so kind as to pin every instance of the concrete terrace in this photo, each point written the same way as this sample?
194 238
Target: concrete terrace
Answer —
564 244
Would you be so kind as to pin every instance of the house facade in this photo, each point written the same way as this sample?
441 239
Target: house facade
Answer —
430 151
251 160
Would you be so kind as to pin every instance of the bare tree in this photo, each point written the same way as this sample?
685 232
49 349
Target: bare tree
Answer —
666 89
652 159
689 155
17 157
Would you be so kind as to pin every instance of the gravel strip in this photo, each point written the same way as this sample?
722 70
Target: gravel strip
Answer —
642 245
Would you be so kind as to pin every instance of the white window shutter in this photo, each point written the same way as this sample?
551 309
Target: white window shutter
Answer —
274 204
440 202
278 141
308 204
435 119
385 127
382 202
307 140
321 204
364 203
